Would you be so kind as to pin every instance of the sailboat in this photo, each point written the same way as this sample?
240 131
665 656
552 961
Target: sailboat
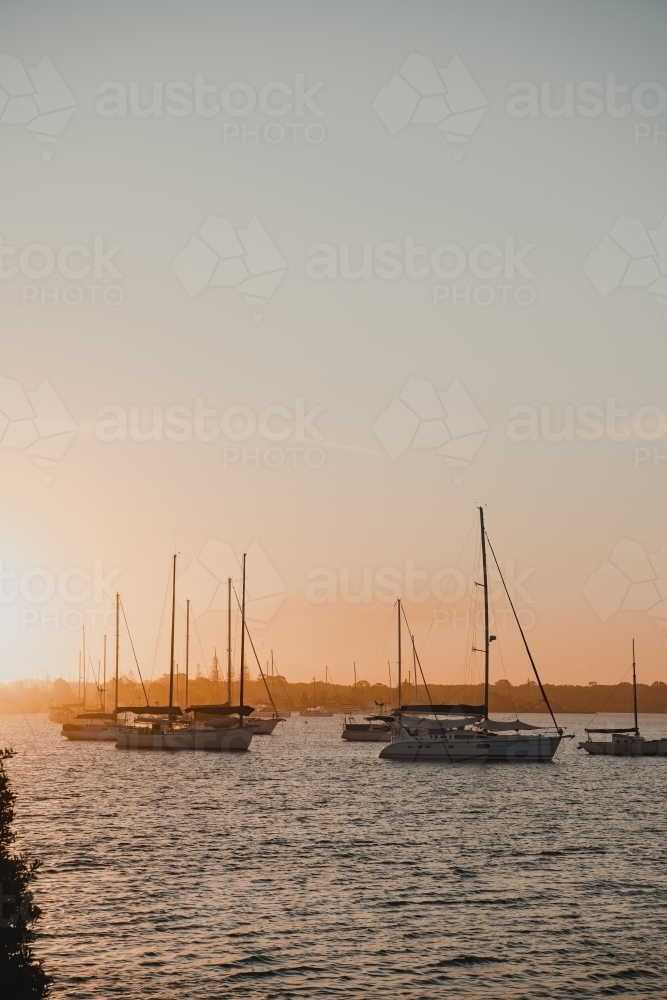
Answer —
171 730
96 727
318 711
625 742
465 732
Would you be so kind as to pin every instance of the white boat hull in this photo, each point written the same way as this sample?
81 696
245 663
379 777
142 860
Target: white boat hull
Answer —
626 748
92 733
262 727
200 738
363 734
508 749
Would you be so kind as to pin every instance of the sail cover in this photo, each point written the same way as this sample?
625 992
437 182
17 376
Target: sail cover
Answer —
631 730
504 727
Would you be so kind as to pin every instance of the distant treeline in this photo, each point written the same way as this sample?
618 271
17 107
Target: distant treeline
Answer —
39 696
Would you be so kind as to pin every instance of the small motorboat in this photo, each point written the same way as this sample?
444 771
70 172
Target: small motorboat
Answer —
375 729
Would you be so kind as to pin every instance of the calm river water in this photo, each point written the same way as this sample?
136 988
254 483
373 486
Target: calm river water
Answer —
309 868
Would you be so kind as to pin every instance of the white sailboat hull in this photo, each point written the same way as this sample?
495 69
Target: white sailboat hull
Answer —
262 727
199 738
508 749
92 733
626 748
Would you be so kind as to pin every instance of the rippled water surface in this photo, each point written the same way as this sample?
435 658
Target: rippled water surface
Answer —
309 868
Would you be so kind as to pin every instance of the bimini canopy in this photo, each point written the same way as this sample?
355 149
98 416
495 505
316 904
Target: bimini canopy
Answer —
476 710
441 725
508 727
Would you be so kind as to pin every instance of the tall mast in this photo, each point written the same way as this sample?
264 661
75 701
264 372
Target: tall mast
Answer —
171 654
104 685
398 604
229 640
79 678
83 654
242 643
117 647
486 615
634 687
187 649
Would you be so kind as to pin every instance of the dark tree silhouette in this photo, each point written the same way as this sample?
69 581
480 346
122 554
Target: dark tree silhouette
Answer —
21 974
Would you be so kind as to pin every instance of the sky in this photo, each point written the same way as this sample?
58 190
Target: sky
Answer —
312 282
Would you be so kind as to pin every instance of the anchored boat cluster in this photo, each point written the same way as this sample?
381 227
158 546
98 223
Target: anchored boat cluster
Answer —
411 732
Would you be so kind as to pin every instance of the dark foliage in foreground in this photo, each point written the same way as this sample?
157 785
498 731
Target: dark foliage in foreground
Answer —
21 975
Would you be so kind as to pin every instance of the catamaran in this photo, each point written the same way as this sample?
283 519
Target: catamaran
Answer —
625 742
170 729
465 732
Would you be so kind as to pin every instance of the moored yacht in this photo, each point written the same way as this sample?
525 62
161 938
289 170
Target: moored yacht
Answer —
96 727
92 727
625 742
173 731
465 732
374 729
